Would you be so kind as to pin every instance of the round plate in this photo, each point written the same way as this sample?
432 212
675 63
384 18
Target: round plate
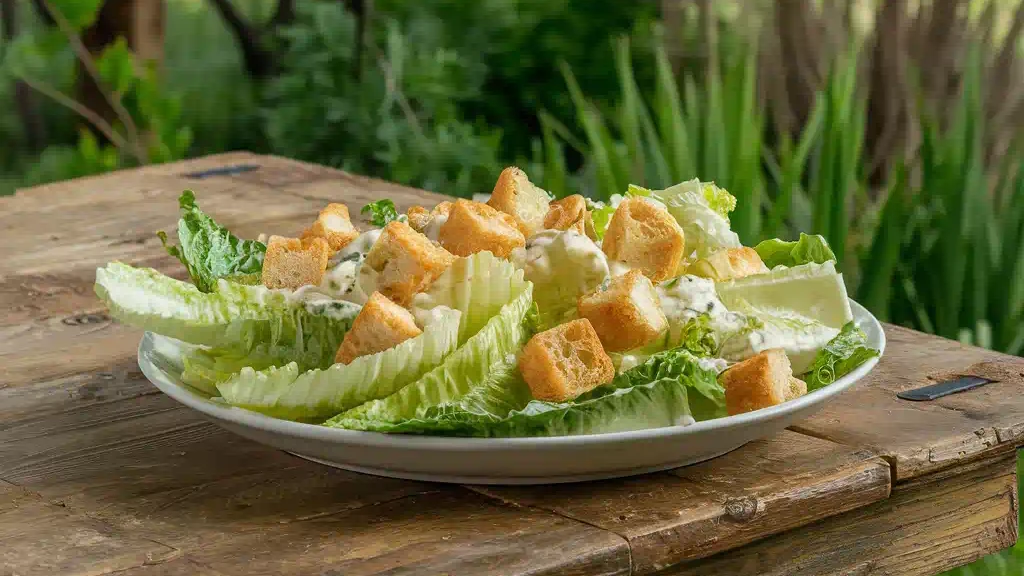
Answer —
503 460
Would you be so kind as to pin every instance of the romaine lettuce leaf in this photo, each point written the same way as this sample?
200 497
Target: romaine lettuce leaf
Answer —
801 337
808 249
702 210
246 319
209 251
204 368
660 392
288 393
601 215
381 212
839 357
480 282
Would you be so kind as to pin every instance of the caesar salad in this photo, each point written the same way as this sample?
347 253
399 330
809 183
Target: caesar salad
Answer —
521 315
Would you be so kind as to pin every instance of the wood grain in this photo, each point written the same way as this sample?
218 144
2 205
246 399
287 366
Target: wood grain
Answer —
923 437
926 527
441 533
102 474
39 538
764 488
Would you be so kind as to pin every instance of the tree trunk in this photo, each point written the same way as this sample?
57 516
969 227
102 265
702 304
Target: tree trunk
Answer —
24 99
141 23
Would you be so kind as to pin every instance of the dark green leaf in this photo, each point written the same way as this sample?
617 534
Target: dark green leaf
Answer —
839 357
381 212
209 251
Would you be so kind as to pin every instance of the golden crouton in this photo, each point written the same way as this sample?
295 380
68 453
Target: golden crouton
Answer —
380 325
515 195
475 227
729 264
419 216
293 263
627 314
760 381
569 213
406 261
644 236
561 363
334 225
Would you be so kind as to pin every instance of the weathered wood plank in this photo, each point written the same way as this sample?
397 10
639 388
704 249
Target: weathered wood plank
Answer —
764 488
39 538
930 525
440 533
922 437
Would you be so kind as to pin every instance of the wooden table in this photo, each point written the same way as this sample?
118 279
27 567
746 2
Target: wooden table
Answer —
102 474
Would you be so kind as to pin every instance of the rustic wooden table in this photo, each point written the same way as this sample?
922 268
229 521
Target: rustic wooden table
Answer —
100 473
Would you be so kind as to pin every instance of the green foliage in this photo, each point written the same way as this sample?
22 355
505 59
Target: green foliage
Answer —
395 116
381 212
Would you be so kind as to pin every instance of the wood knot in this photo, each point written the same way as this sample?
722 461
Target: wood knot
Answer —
86 319
741 509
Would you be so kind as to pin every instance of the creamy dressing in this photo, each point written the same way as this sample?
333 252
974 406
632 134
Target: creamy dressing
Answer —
432 229
798 335
687 297
562 265
617 268
645 299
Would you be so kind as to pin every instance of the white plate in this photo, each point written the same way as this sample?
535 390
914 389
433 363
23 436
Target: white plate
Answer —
505 460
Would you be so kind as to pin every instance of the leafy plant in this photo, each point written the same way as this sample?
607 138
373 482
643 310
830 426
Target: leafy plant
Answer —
146 128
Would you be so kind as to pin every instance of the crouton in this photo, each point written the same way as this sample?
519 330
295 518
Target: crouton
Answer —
420 217
475 227
379 326
729 264
569 213
627 314
406 262
797 388
561 363
759 382
333 225
644 236
293 263
515 195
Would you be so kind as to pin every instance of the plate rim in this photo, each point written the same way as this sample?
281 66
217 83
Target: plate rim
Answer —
250 419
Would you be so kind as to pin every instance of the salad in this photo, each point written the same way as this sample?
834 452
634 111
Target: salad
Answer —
518 316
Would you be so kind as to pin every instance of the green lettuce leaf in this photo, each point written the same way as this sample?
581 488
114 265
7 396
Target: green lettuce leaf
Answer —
839 357
286 392
204 368
479 282
702 210
808 249
601 215
209 251
381 212
246 319
660 392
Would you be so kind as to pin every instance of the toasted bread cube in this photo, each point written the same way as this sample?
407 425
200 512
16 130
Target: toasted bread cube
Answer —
475 227
515 195
797 388
380 325
729 264
406 261
644 236
420 217
293 263
627 314
759 382
561 363
333 225
569 213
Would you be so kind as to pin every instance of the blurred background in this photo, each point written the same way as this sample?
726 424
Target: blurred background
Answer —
893 127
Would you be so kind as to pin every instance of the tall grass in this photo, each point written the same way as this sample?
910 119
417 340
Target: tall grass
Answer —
938 247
